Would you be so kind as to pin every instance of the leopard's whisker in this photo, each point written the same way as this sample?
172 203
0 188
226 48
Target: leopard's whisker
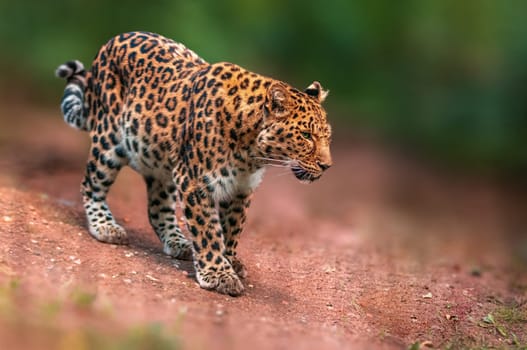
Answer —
281 174
280 166
273 160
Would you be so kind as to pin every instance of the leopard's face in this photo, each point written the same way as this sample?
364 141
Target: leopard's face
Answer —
296 133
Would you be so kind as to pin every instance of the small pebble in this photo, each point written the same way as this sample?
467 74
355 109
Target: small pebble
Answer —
476 272
151 278
329 269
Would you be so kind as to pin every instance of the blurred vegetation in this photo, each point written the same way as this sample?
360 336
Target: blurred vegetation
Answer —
443 77
25 325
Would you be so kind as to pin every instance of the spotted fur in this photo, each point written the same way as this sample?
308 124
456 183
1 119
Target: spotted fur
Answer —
200 134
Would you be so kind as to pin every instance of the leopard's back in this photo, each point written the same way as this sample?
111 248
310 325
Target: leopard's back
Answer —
121 63
138 83
137 67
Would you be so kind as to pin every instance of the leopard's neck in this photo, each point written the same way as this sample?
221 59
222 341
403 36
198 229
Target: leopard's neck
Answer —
242 112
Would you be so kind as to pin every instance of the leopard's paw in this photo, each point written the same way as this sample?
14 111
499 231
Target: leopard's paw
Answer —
109 233
178 248
238 267
223 280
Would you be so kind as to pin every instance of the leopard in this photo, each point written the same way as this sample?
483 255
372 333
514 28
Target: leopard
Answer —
200 134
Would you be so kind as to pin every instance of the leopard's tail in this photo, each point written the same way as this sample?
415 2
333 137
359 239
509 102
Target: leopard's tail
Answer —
72 103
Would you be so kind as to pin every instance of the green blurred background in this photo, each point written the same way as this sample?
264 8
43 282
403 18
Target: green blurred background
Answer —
442 78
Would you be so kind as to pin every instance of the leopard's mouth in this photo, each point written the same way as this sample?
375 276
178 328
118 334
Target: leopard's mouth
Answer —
303 175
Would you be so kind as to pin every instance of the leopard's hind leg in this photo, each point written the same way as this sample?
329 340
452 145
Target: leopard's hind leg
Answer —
101 171
162 216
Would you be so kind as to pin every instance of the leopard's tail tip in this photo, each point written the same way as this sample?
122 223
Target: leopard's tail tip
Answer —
70 69
72 103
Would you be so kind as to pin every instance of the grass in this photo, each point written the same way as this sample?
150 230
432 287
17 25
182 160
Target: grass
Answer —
503 329
7 293
82 298
148 336
65 324
514 313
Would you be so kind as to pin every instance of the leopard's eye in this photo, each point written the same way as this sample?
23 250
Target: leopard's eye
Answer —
306 135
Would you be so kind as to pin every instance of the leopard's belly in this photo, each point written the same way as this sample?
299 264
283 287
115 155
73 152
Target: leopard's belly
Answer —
143 154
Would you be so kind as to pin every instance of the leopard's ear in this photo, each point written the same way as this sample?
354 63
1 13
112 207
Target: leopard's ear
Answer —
277 101
316 91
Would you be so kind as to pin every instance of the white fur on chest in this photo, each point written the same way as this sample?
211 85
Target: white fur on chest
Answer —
228 186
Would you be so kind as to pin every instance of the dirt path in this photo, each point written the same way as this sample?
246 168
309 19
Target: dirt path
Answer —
378 254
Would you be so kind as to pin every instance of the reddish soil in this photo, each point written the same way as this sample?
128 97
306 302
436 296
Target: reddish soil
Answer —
380 253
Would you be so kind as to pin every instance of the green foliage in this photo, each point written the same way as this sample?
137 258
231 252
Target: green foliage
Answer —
444 76
8 292
20 315
82 298
515 313
149 336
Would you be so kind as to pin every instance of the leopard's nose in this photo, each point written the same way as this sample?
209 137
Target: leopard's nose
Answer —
324 158
324 166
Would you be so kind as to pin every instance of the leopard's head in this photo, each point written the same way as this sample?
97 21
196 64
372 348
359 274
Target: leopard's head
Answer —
296 133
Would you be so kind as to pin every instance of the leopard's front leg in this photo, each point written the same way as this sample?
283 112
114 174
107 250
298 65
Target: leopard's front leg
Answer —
232 218
213 269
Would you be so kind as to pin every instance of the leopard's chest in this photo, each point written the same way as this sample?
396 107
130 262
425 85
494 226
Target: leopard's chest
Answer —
225 186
